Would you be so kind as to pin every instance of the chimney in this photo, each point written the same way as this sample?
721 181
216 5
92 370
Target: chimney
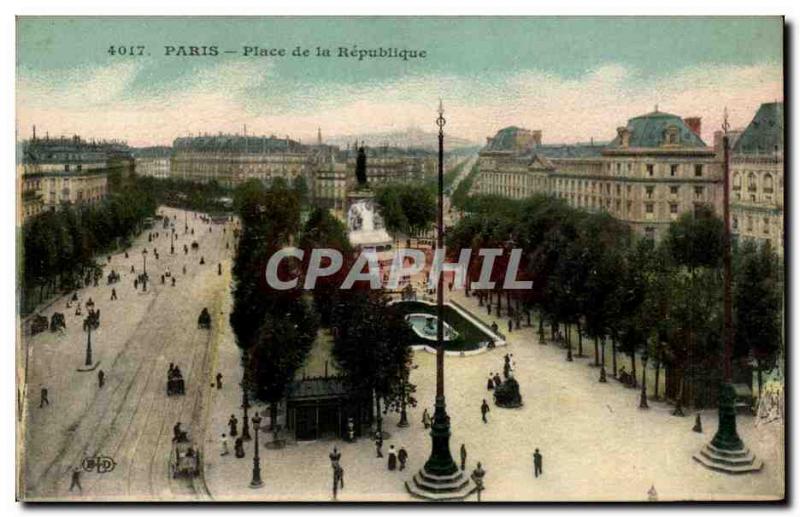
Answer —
624 136
694 124
718 134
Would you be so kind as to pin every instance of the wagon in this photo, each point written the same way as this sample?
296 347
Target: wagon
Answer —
176 386
184 459
204 320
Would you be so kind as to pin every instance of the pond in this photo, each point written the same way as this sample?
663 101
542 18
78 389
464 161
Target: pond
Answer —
466 335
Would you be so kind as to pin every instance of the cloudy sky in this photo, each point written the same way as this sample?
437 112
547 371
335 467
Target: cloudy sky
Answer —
574 78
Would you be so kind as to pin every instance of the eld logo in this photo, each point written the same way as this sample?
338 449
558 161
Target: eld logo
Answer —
101 464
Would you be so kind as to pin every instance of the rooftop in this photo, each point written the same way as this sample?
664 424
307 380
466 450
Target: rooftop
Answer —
764 135
650 131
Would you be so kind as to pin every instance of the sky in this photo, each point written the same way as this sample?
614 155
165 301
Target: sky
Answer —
576 79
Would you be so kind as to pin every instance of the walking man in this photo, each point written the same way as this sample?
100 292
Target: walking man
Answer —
378 445
484 410
402 456
113 293
537 463
463 456
101 378
219 381
43 398
426 419
76 480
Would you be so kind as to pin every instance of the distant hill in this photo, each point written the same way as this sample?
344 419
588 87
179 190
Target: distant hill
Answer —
411 137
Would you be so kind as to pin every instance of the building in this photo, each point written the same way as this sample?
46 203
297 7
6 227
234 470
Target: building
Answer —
387 164
757 178
153 161
654 169
234 159
56 171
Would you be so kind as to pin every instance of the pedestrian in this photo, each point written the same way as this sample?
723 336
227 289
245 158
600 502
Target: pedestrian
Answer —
402 456
163 280
101 378
537 463
490 383
76 480
132 270
510 326
232 421
239 447
463 456
113 293
184 269
219 381
506 369
392 463
484 410
378 445
219 268
202 260
335 456
497 380
224 444
43 398
173 281
126 254
426 419
135 283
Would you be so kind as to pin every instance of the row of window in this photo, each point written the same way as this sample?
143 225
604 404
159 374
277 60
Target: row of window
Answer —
650 169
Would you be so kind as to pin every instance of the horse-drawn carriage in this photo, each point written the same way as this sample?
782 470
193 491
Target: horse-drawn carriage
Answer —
38 324
57 322
112 277
175 384
184 459
204 320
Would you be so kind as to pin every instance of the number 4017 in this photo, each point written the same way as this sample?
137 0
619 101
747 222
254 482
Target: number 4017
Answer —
129 50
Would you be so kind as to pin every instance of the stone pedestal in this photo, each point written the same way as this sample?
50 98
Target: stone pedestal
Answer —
452 487
740 461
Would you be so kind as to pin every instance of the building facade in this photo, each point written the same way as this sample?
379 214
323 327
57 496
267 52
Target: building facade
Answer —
153 161
234 159
757 179
656 168
56 171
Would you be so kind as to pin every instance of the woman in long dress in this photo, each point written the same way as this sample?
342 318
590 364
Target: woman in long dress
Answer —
392 458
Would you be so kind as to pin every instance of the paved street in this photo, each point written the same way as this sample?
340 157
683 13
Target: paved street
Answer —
130 419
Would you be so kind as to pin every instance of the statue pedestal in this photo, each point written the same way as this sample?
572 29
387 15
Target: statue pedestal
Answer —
453 487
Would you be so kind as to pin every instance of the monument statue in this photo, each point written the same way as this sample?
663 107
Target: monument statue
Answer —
361 167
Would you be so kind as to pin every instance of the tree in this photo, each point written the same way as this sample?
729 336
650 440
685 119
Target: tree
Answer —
281 345
757 307
372 344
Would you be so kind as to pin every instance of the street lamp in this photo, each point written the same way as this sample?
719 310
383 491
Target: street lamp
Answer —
440 464
144 269
245 407
88 325
256 481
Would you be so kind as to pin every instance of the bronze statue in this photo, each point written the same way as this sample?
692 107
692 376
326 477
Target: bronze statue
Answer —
361 167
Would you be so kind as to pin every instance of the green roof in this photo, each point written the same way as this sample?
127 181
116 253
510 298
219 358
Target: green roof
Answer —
764 135
505 139
649 131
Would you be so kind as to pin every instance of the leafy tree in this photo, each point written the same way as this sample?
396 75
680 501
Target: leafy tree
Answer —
757 302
